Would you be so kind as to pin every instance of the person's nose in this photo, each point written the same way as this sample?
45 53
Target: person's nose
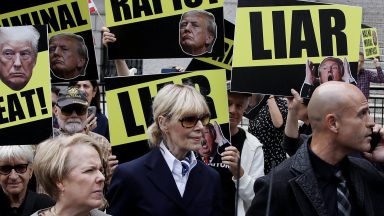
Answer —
231 108
188 27
100 177
13 174
371 122
58 51
199 125
17 62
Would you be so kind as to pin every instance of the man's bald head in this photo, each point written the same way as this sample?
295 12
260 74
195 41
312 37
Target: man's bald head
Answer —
331 97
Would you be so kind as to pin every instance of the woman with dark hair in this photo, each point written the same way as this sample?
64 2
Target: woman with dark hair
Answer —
91 88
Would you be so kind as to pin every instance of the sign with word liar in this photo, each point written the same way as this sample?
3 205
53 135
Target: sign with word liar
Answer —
273 42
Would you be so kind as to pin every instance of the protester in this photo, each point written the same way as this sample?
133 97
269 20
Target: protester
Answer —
19 49
68 55
321 179
169 180
365 77
55 92
267 122
91 88
70 170
295 135
197 32
15 172
245 158
71 113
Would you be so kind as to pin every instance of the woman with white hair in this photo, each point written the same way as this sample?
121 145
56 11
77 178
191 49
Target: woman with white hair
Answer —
169 180
15 173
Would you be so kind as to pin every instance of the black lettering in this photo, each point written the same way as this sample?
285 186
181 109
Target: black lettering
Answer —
229 54
138 8
327 30
278 31
368 42
36 18
49 17
14 108
76 11
146 102
157 6
40 95
118 7
205 90
128 116
177 5
161 85
5 22
193 3
29 100
65 17
257 40
24 20
2 110
302 22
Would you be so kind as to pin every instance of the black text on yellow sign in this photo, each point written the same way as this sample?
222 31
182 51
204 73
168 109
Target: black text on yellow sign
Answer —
370 42
11 106
60 16
291 34
128 11
129 107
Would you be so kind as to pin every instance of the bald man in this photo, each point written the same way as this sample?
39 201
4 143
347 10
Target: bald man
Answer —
305 184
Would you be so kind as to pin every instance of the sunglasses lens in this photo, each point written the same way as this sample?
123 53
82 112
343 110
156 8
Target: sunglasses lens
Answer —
5 170
205 120
189 121
19 168
68 110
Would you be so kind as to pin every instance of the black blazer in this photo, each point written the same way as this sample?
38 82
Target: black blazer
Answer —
295 189
145 186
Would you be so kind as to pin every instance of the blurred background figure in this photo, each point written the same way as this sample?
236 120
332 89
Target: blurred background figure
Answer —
266 122
15 173
365 76
70 170
169 180
55 92
91 88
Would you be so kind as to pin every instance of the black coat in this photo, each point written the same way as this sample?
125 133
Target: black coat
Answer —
295 189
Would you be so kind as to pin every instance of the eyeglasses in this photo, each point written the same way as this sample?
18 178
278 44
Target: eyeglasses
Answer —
79 109
191 121
19 168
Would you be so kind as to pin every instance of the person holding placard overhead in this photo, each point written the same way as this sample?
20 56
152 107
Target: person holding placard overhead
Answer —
169 180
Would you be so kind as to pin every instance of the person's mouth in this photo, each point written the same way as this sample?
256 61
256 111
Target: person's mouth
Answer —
330 77
58 61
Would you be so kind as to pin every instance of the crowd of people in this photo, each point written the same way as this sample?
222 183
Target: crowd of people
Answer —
325 167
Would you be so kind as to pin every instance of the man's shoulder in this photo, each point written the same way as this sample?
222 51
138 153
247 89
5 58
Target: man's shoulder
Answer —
98 137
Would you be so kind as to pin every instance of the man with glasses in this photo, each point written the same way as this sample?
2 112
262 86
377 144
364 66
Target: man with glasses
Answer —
71 112
18 54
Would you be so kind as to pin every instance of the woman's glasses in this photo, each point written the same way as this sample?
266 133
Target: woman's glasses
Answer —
191 121
19 168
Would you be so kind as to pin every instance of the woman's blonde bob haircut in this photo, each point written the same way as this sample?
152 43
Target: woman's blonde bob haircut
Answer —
174 101
52 163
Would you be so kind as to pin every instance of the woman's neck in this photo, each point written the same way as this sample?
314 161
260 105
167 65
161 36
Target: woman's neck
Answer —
18 199
61 209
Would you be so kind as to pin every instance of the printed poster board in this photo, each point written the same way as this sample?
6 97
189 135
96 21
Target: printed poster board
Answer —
70 20
25 95
274 40
130 112
370 42
155 28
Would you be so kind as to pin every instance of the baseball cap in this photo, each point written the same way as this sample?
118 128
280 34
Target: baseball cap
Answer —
72 96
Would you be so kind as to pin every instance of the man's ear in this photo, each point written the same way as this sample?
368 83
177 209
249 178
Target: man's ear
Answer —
209 39
163 123
81 62
332 122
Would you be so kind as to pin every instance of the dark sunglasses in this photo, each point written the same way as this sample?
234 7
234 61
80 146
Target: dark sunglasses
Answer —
191 121
79 109
19 168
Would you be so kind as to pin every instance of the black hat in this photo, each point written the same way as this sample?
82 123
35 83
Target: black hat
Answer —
73 95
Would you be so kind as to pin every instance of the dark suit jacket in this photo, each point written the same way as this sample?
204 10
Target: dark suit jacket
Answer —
145 186
295 189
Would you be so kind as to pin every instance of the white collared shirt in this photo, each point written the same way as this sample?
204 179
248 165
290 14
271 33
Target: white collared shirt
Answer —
175 166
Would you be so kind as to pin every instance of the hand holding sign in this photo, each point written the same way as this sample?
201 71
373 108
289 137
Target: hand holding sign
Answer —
310 76
347 76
